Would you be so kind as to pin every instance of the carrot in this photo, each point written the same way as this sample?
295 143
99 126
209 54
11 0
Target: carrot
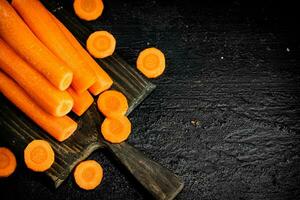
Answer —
151 62
16 33
52 100
101 44
81 101
116 130
8 162
112 103
88 9
39 155
103 81
58 127
41 23
88 174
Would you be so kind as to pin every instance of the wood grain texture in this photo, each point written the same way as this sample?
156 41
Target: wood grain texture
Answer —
158 180
225 115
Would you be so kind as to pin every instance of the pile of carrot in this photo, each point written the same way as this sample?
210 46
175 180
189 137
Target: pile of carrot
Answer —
46 73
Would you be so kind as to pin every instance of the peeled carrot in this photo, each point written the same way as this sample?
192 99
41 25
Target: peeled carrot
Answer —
8 162
116 130
101 44
41 23
88 174
52 100
103 81
112 103
81 101
88 9
16 33
39 155
58 127
151 62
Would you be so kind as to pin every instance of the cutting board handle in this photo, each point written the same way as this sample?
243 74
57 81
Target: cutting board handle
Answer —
158 180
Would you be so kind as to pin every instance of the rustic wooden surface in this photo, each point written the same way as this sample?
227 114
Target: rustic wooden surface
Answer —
226 114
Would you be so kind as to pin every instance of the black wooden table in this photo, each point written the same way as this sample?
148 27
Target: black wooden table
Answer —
225 115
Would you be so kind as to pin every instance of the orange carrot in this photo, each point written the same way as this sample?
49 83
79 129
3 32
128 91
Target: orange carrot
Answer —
16 33
88 9
58 127
81 101
41 23
52 100
39 155
112 103
8 162
151 62
103 81
116 130
101 44
88 174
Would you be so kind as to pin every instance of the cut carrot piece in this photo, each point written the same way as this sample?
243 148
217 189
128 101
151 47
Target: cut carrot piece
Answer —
39 155
88 9
81 101
8 162
58 127
116 130
101 44
88 174
43 26
112 103
103 81
52 100
16 33
151 62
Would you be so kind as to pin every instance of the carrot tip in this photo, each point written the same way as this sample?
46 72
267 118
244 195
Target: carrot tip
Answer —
64 108
68 132
66 82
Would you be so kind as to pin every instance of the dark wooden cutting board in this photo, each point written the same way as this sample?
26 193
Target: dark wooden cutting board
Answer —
17 130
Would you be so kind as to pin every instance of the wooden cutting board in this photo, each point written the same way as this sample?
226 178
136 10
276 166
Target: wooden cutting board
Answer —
17 130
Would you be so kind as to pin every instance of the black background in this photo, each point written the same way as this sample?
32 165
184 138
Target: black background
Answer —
225 115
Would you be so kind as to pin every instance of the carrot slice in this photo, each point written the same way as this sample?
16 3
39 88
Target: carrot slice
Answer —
151 62
112 103
88 174
88 9
16 33
58 127
103 81
43 26
52 100
39 155
81 101
8 162
116 130
101 44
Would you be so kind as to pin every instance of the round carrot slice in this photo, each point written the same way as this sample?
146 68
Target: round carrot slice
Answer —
88 9
101 44
151 62
39 155
88 174
8 162
112 103
116 130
